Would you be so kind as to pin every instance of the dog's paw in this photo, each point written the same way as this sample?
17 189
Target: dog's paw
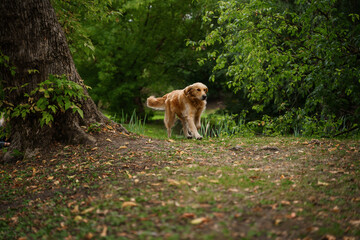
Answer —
199 137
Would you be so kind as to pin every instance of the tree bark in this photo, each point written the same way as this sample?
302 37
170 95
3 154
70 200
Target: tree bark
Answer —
33 39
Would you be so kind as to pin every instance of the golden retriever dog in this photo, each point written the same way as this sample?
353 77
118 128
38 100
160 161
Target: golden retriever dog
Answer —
188 104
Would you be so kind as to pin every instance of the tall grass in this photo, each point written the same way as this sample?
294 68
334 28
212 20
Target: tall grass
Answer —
132 123
215 125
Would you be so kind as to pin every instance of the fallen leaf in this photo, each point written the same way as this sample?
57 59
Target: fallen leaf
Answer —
336 209
214 181
95 148
277 221
188 215
89 236
184 182
123 147
356 223
219 214
78 218
128 204
128 174
173 182
291 216
322 183
170 140
332 149
108 139
104 232
328 237
200 220
348 238
50 178
88 210
312 229
234 190
255 169
284 202
76 209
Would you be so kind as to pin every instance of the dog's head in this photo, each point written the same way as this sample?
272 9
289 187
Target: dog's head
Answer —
197 90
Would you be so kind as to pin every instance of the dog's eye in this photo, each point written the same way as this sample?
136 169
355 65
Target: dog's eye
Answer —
198 89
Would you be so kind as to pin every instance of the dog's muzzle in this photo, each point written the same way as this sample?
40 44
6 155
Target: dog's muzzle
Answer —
203 97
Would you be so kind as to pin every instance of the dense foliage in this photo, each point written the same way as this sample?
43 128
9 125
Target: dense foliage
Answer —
296 60
128 50
290 64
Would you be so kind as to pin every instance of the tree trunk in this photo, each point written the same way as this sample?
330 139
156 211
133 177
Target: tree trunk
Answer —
32 38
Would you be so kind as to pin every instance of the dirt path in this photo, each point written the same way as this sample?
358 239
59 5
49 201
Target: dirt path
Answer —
132 187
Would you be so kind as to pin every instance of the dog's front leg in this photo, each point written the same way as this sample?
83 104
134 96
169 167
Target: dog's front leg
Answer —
193 129
197 122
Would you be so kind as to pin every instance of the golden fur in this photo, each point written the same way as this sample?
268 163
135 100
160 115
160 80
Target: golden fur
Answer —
188 104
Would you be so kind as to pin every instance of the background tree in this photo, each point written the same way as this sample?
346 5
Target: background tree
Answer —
34 50
298 59
139 49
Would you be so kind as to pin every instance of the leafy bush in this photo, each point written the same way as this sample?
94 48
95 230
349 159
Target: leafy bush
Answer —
292 123
51 96
289 56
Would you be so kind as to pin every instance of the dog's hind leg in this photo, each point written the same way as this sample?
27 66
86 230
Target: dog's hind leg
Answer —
169 120
186 130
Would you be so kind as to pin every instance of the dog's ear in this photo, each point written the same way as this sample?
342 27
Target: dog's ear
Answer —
187 90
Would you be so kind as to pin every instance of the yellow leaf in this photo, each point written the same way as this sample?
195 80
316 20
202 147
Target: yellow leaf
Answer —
200 220
128 204
78 218
108 139
122 147
50 178
184 182
214 181
277 221
322 183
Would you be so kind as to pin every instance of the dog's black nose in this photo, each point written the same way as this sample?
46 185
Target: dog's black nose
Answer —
204 97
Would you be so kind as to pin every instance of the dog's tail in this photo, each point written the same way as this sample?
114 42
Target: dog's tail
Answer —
156 103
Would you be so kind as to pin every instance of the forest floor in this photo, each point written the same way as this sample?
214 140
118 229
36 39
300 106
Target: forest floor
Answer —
135 187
